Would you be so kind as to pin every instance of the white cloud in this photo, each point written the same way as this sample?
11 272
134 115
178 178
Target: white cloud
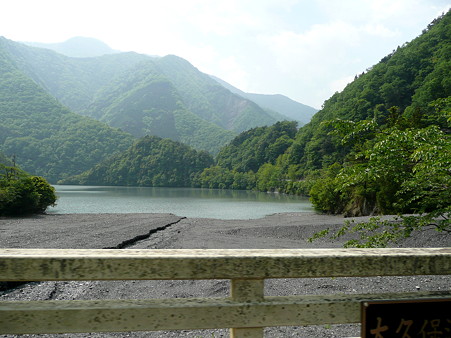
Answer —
315 52
339 84
380 30
234 72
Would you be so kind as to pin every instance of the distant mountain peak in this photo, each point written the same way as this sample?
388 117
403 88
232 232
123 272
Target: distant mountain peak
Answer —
78 46
279 103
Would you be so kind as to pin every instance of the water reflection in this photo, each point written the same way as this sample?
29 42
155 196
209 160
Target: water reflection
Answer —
189 202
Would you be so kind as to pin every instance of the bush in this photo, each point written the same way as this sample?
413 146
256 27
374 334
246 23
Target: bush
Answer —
22 194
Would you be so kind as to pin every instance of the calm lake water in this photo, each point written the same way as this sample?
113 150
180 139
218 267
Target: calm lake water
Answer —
189 202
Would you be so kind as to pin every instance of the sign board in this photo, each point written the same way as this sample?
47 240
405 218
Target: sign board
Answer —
423 318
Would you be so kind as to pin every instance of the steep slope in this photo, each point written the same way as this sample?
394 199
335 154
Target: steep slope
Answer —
255 147
143 95
73 81
45 137
281 104
77 47
211 101
410 78
5 160
415 134
151 161
143 102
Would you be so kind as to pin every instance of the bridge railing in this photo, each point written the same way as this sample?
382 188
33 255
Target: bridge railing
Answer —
246 312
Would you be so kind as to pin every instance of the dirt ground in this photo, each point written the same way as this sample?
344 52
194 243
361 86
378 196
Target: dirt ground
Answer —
150 231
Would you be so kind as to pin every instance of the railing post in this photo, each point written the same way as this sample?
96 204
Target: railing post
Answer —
247 290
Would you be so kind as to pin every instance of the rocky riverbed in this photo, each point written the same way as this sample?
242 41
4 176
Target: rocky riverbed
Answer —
159 231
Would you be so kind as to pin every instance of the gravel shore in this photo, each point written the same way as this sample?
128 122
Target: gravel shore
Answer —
150 231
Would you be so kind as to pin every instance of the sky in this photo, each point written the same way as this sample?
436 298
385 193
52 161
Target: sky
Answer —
304 49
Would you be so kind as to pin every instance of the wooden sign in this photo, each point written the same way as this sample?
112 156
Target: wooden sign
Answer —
425 318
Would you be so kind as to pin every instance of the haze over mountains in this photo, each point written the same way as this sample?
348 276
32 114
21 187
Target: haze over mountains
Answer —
62 116
45 94
277 103
77 47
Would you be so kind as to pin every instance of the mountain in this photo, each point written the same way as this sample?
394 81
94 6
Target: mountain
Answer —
151 161
79 46
403 102
275 103
211 101
73 81
255 147
45 137
410 78
140 94
143 101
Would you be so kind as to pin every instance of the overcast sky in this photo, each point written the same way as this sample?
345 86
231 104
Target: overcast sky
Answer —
304 49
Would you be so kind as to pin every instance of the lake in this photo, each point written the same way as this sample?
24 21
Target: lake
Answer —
189 202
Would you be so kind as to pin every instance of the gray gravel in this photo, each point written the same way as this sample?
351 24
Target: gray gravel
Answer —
289 230
80 231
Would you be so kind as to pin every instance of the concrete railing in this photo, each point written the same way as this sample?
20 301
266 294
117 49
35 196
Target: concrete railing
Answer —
247 311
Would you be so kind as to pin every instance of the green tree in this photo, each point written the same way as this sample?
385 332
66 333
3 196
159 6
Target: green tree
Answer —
395 169
151 161
21 193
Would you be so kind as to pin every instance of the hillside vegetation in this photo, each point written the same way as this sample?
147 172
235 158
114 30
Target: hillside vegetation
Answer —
142 102
45 137
21 193
276 103
382 145
410 78
142 95
151 161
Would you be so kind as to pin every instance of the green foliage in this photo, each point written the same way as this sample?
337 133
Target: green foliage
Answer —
151 161
249 161
269 177
395 169
380 233
5 160
410 78
323 193
210 101
144 101
253 148
217 177
22 194
46 138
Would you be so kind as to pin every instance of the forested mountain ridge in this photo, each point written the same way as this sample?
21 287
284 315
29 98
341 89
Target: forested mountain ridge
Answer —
212 102
257 146
143 101
73 81
164 94
151 161
408 89
43 135
410 78
275 103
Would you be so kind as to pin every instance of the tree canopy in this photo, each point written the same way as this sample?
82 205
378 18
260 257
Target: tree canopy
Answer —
22 194
151 161
396 168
